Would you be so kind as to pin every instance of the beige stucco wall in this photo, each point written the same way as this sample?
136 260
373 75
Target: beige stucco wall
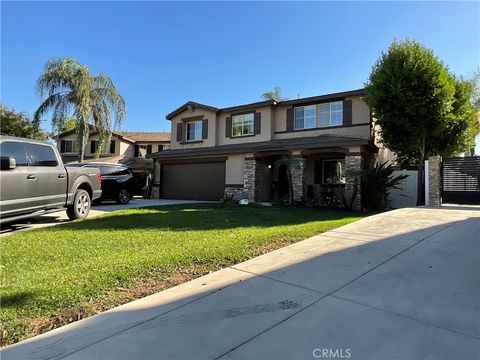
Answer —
210 141
273 120
155 145
125 149
357 131
265 128
360 110
360 114
68 137
234 168
121 147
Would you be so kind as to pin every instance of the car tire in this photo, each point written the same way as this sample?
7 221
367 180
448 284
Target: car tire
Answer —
81 205
123 197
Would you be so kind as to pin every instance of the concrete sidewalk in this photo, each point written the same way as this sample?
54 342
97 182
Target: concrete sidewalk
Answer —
399 285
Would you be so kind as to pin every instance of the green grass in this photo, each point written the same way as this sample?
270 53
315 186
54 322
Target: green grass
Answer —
46 271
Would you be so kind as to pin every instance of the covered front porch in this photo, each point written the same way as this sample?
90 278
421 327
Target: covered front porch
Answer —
320 177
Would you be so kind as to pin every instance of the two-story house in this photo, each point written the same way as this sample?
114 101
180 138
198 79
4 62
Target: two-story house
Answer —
244 151
126 147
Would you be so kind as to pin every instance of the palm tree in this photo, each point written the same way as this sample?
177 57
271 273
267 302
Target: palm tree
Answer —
65 84
275 94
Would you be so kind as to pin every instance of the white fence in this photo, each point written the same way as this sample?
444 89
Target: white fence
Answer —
406 196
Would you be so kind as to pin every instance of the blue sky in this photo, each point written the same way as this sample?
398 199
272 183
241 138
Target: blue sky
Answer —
162 54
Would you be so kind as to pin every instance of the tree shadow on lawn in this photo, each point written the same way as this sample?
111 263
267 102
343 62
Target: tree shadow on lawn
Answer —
208 217
16 299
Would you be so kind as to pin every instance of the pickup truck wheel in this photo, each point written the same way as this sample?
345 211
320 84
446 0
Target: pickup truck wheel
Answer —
81 205
123 197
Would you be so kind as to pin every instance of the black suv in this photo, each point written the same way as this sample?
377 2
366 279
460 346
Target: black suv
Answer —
118 181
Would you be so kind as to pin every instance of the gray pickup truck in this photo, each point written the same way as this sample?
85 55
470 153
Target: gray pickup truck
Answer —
34 181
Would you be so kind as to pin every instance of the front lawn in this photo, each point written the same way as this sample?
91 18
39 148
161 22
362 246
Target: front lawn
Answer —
58 275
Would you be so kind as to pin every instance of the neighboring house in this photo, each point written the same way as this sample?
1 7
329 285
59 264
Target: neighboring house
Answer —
240 151
126 147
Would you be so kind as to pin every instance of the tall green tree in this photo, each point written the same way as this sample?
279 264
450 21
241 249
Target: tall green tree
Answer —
421 108
275 94
474 80
67 86
14 123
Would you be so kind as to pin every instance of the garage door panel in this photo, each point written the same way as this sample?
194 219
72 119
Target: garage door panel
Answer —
204 181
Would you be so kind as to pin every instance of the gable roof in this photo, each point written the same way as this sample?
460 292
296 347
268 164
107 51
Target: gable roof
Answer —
142 136
187 105
318 141
129 136
326 97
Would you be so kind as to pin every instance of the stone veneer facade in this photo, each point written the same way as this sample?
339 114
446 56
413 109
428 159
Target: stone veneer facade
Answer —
353 162
155 194
297 166
236 192
251 179
434 180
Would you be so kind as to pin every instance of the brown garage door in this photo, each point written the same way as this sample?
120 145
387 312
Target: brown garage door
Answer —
204 181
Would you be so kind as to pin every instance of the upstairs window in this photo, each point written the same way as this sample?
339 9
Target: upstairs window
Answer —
305 117
95 143
69 146
93 146
194 130
242 125
112 147
331 114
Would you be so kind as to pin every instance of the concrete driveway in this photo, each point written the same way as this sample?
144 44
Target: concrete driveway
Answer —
60 217
399 285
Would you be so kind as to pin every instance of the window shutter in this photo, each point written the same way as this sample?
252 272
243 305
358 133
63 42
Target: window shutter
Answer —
136 151
180 132
62 146
112 147
149 149
257 123
347 112
92 147
290 119
204 128
228 127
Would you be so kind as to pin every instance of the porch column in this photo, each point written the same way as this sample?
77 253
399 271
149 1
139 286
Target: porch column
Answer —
251 179
353 162
155 194
434 180
298 168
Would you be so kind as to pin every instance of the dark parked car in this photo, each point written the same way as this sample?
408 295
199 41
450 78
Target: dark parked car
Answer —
118 182
34 182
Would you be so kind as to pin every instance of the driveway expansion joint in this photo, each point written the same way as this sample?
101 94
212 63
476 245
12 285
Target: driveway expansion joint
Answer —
333 291
404 316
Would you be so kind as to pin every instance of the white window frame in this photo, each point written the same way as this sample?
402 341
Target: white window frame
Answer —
244 120
75 147
342 179
197 132
303 118
329 114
